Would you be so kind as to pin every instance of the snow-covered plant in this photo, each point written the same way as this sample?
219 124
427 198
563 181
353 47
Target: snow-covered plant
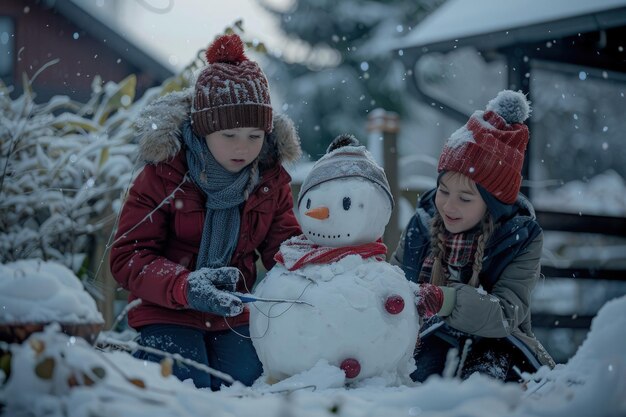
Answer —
64 166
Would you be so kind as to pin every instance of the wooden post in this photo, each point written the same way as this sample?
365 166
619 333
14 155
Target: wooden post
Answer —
518 67
383 128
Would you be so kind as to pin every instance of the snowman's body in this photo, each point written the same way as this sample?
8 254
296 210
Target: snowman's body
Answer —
361 316
347 321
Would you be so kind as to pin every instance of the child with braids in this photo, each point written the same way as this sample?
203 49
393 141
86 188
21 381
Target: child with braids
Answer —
212 198
473 248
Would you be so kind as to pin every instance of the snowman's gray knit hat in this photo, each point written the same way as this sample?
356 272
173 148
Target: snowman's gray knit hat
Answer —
345 157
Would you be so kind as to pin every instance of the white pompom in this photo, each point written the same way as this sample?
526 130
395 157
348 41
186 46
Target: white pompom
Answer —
513 106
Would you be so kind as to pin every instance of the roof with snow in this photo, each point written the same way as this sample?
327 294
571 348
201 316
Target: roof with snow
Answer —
495 23
576 32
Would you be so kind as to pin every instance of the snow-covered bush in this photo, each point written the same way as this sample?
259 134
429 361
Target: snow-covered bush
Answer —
64 167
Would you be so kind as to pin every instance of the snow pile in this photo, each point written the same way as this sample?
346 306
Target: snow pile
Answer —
604 194
593 382
34 291
607 335
85 382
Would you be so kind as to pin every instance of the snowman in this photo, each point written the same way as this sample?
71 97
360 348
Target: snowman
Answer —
354 310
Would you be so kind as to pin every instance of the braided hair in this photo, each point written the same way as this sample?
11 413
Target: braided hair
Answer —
437 239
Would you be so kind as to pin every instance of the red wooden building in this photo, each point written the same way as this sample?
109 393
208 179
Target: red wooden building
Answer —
33 33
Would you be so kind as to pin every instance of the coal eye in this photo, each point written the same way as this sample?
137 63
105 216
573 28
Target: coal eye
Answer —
346 203
308 203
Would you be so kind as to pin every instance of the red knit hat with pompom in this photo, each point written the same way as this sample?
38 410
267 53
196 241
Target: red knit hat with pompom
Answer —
231 91
490 148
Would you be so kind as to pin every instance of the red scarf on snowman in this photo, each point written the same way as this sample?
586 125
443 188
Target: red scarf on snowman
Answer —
300 251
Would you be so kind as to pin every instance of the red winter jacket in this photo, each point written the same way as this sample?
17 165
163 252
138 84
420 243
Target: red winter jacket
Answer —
161 223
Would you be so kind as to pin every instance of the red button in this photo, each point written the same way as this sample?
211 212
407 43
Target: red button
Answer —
351 367
394 304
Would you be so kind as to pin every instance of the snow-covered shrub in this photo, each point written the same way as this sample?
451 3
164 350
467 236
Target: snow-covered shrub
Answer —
64 167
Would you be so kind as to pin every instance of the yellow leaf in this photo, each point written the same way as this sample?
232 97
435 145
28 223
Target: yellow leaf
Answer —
166 367
104 155
99 372
5 363
172 84
137 382
28 91
122 98
45 368
88 381
74 122
37 345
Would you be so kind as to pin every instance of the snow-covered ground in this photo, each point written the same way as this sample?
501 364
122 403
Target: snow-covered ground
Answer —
56 375
603 194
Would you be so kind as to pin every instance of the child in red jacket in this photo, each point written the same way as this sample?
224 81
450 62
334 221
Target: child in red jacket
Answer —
212 195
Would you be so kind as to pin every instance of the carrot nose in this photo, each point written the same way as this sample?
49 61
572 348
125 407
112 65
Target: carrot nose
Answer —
319 213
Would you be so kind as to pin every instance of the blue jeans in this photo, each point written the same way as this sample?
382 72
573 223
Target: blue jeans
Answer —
224 351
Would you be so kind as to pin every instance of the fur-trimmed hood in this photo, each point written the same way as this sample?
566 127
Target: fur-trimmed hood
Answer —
159 130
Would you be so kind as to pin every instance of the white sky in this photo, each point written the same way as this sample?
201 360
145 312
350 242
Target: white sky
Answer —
175 37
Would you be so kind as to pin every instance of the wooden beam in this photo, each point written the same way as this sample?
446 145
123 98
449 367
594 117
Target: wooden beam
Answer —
558 321
583 223
590 272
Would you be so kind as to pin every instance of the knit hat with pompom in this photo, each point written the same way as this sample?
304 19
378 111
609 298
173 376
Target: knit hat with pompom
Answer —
346 157
490 148
231 91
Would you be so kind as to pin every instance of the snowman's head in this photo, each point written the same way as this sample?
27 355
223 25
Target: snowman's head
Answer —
344 212
345 199
344 158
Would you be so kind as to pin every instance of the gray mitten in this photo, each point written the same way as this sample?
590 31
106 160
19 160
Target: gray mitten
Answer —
209 290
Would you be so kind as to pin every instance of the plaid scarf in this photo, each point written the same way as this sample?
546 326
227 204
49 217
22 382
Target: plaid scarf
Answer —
459 252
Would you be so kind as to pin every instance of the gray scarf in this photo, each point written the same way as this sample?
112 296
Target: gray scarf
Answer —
224 192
